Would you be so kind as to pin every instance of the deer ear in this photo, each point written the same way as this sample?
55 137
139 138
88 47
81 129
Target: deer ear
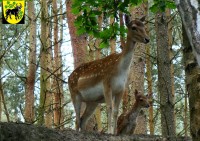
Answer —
142 19
127 19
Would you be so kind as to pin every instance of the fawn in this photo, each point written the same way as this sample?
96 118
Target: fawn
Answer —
127 122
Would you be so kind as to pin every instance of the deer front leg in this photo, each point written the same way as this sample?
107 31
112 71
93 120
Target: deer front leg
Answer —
117 101
108 100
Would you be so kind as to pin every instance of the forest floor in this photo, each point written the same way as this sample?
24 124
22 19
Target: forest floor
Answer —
25 132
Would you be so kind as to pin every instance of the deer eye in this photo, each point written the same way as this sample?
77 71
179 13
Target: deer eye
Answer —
141 99
134 28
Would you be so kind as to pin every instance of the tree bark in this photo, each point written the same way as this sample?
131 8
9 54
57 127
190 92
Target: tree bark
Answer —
136 78
149 86
192 71
45 105
164 81
57 84
79 43
189 12
29 112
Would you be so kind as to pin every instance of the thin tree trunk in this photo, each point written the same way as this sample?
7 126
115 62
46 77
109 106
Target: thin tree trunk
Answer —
49 79
45 61
149 84
170 42
29 113
56 83
164 81
61 67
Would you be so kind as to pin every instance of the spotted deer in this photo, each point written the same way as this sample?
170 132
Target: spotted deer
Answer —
104 80
126 123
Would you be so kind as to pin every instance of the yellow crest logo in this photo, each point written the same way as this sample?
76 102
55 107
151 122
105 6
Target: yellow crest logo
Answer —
13 11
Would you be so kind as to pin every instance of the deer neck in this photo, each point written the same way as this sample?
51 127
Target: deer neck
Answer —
135 110
127 54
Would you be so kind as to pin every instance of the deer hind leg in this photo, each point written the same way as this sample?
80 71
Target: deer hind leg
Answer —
117 100
89 110
108 100
77 106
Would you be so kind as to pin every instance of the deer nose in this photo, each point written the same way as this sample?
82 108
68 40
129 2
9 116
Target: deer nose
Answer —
147 106
146 40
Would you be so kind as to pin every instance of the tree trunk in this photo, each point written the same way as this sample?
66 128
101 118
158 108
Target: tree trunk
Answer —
61 66
164 81
192 71
170 42
136 78
45 62
57 84
149 86
189 12
29 112
79 43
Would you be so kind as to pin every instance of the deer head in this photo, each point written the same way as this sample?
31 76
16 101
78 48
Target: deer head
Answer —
136 29
141 100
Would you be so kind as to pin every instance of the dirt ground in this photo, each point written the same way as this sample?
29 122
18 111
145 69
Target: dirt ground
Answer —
26 132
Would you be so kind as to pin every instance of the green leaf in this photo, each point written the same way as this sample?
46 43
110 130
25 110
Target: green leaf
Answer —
81 31
154 8
75 11
170 4
103 44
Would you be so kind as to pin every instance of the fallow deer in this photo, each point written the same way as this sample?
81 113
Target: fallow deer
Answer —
126 123
104 80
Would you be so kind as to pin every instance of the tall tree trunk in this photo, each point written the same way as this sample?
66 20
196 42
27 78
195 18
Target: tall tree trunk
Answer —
192 71
30 81
164 81
136 78
149 86
79 43
170 43
45 62
57 69
1 61
61 66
